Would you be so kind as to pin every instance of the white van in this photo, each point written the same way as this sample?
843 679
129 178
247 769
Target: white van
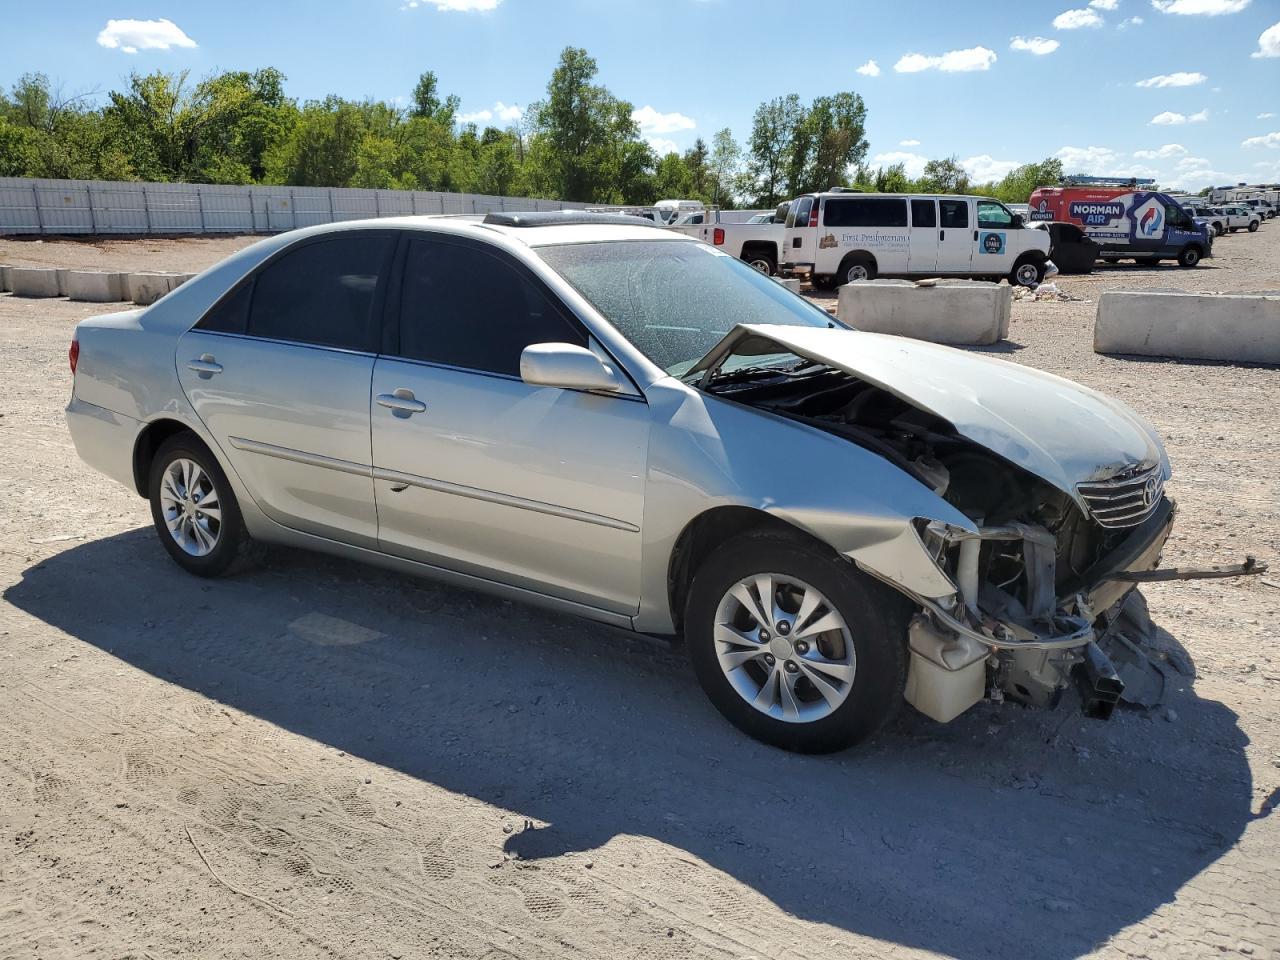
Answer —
841 236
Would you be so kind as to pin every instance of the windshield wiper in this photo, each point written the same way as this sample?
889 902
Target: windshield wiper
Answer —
801 369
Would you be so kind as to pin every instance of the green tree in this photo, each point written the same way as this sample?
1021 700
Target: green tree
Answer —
944 176
726 159
773 128
1017 184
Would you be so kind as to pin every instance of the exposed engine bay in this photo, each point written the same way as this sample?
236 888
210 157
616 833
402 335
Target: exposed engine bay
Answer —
1046 589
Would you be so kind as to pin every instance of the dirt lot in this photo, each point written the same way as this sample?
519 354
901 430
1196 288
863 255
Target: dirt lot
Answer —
321 759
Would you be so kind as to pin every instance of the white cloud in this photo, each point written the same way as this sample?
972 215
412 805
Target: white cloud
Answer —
954 61
661 146
1075 19
504 113
1104 4
1268 43
869 69
1171 119
1264 116
1192 163
465 6
1200 8
134 35
1096 160
1173 80
985 168
908 143
1164 153
1271 140
1037 45
1131 22
651 121
913 162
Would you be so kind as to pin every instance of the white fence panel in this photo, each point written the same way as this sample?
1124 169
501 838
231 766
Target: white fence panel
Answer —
100 207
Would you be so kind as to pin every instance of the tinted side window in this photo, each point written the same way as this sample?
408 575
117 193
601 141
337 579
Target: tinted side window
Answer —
232 314
865 212
798 215
467 308
924 213
955 213
322 293
992 214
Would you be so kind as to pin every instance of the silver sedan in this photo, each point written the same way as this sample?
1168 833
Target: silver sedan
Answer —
607 418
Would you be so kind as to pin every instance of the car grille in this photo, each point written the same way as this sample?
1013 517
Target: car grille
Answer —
1124 500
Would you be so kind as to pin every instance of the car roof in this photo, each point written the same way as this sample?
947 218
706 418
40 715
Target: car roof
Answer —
899 196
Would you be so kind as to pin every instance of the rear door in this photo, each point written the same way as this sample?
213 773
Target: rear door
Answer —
480 472
923 255
956 236
801 239
279 371
997 245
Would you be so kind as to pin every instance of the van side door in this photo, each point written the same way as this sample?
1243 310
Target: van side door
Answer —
956 235
923 255
801 239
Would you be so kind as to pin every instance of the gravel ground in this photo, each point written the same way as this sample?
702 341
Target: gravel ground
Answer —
320 759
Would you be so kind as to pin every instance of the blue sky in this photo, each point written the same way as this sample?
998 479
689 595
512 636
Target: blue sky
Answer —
1187 91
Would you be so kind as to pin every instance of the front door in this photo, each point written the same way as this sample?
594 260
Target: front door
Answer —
997 246
479 472
279 370
956 238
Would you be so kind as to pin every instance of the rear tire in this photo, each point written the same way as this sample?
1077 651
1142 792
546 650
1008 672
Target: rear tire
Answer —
860 655
762 262
1189 257
194 510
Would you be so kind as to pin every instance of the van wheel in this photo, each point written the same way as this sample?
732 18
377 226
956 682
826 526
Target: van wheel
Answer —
1189 257
794 645
1027 273
856 266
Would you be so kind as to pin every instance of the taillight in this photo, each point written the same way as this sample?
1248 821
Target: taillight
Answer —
73 355
813 215
717 236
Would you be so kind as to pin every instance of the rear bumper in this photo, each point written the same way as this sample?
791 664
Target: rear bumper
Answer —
104 439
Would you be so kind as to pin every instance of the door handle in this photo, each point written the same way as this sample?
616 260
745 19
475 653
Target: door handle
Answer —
206 366
975 236
401 403
942 234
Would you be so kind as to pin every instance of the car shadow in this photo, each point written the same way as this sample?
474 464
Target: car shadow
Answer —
1008 832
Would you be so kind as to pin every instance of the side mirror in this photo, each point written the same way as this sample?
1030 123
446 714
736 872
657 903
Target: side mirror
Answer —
567 366
1017 221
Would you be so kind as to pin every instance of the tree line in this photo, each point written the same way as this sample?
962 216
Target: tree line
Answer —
580 142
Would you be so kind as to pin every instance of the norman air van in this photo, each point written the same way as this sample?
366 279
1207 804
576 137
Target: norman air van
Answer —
842 235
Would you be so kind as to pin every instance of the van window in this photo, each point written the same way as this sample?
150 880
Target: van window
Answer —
924 213
955 213
993 214
864 212
798 215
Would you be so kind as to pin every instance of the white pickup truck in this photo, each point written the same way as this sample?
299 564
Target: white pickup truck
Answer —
1241 218
759 244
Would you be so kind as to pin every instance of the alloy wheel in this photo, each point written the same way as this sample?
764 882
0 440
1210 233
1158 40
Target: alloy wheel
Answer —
189 504
784 648
1028 274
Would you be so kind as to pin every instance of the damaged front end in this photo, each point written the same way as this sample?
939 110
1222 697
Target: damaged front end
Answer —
1064 489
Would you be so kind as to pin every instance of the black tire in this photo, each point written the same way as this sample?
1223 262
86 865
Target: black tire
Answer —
1189 257
766 263
861 264
233 547
822 282
1021 273
876 618
1253 226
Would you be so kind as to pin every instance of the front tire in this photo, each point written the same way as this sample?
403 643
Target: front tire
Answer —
1028 273
817 665
194 510
1253 226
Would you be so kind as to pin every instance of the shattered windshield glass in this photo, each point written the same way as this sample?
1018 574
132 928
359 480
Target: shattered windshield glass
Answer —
675 301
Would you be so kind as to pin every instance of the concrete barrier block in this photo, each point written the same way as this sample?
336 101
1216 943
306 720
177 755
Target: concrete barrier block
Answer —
1241 327
145 289
5 282
178 279
959 312
34 281
62 273
95 286
791 284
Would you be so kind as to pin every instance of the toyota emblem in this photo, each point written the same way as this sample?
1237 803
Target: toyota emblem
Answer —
1151 490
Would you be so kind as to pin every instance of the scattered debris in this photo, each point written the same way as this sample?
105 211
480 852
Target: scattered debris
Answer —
1046 291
